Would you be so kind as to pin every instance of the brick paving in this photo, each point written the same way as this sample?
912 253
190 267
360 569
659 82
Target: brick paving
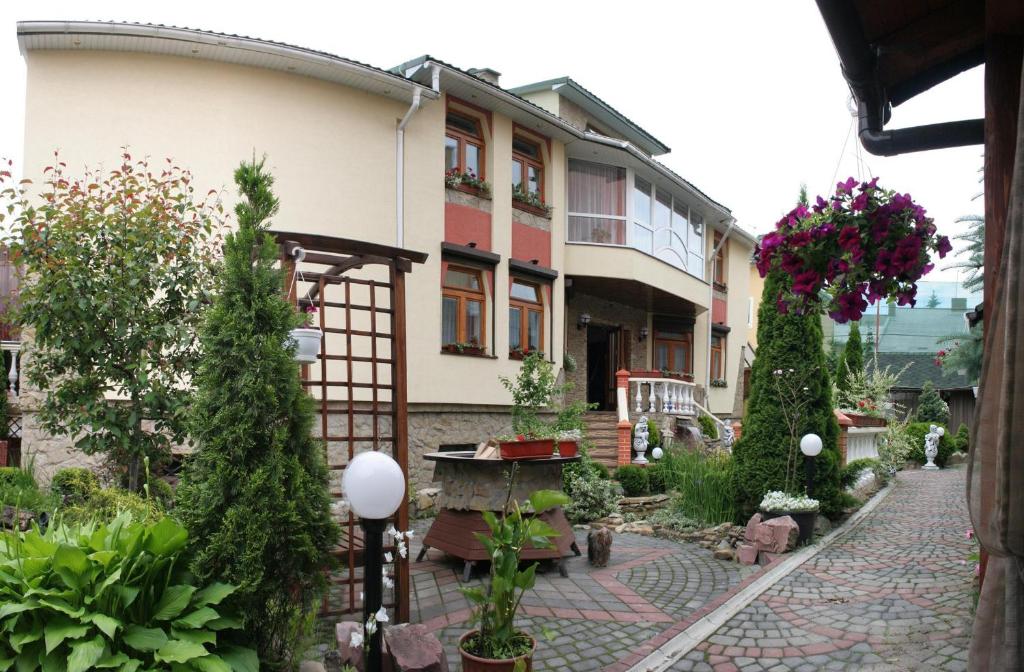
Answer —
893 594
596 617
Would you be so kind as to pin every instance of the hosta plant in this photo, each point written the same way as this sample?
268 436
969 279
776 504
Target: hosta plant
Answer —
111 596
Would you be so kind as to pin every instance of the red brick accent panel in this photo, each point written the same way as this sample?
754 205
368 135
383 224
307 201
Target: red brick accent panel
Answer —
844 424
625 428
464 225
718 311
531 243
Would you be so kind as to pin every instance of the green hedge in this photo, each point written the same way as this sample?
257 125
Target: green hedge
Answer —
851 472
635 481
74 485
916 432
962 440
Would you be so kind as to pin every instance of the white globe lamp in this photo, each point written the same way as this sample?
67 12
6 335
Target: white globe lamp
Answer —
657 453
374 485
810 445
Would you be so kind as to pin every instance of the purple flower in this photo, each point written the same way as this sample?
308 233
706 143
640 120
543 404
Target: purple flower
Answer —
791 263
799 238
883 262
876 290
820 204
849 238
906 297
873 184
860 202
781 306
806 282
846 187
824 230
907 254
944 247
851 306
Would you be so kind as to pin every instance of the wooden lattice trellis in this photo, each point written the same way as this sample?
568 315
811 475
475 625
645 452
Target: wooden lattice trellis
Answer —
359 380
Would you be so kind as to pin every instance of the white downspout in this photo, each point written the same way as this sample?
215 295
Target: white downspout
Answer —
711 300
400 169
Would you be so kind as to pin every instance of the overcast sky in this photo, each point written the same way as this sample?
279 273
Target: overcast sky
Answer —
748 96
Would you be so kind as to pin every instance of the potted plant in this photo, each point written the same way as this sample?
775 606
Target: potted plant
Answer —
467 181
496 645
530 201
569 442
801 508
531 391
307 338
461 348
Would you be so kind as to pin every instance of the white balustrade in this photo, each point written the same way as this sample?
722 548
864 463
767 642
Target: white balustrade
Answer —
862 442
662 395
14 347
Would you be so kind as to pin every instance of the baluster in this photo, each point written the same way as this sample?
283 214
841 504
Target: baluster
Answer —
652 398
670 398
12 377
639 397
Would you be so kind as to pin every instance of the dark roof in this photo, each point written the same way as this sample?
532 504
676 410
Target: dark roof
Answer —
915 330
922 368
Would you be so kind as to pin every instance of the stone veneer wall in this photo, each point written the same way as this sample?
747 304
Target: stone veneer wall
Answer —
602 312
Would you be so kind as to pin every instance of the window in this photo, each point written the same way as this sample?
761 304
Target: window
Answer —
463 145
527 168
597 203
695 245
673 350
717 357
643 229
463 307
525 318
719 269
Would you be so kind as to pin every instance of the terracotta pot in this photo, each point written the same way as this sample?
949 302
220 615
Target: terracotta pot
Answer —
860 420
471 663
803 519
537 449
567 448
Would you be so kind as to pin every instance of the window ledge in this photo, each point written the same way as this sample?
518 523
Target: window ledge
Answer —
472 191
478 355
721 287
532 209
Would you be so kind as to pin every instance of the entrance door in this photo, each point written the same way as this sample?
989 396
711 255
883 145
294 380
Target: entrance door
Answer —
607 352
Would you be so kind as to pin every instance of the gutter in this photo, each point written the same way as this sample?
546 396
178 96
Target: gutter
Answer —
711 299
859 61
400 157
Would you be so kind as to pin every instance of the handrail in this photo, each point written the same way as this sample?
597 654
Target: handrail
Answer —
721 423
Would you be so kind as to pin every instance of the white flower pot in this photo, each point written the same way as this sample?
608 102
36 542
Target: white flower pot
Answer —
307 344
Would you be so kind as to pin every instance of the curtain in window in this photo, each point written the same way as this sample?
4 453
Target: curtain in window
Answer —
597 189
449 320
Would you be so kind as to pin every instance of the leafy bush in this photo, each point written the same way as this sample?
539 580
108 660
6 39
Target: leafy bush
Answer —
851 361
894 449
930 406
708 427
703 483
106 504
916 432
653 435
656 475
852 471
592 498
162 493
635 481
867 391
672 519
532 390
13 477
962 440
18 489
765 452
74 485
111 596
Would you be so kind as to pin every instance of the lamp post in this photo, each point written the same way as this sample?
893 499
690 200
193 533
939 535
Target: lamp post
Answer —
374 486
810 446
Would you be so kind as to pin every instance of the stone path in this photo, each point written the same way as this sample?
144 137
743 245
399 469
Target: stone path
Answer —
893 594
596 617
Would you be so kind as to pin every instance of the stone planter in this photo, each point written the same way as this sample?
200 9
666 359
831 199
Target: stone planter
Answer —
471 663
803 519
307 344
860 420
536 449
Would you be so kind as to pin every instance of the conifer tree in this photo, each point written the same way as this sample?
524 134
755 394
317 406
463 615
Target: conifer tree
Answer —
930 406
785 342
254 495
852 359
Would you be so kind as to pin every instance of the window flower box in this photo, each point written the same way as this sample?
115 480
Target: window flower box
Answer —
530 202
863 420
468 182
520 354
465 349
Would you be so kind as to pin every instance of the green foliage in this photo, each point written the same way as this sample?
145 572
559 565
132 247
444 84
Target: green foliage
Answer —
531 391
708 427
703 483
974 251
657 476
916 432
635 480
867 392
254 494
895 447
120 267
161 492
111 596
74 485
962 440
930 406
965 353
792 344
588 485
18 489
106 504
13 477
496 605
852 471
653 435
933 300
852 359
673 519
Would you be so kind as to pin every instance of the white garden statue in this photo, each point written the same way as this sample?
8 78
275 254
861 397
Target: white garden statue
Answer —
640 434
728 436
931 445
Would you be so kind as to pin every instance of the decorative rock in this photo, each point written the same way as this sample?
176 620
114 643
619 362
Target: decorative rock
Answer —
426 502
724 550
822 526
7 518
752 524
777 535
746 554
599 547
413 648
638 527
767 558
644 505
348 654
956 458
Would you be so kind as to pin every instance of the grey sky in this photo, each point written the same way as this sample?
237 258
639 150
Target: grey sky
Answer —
748 94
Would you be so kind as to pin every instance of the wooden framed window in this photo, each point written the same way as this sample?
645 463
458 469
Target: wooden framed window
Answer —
673 351
463 307
717 357
719 271
527 167
525 318
463 144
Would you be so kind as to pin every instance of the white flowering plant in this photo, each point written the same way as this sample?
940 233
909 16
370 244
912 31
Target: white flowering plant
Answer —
362 639
777 501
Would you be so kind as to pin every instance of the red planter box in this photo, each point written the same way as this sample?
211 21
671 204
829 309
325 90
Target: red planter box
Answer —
537 449
567 448
866 420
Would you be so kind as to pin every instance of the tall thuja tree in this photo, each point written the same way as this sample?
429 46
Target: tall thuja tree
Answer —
789 345
851 361
254 496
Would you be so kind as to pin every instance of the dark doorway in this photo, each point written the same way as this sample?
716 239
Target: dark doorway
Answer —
607 352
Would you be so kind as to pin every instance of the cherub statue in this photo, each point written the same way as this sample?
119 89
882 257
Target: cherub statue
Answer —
640 434
931 445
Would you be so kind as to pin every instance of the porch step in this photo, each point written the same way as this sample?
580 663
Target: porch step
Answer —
602 430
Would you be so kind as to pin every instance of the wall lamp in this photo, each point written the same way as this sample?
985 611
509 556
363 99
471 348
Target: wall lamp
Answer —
643 334
583 321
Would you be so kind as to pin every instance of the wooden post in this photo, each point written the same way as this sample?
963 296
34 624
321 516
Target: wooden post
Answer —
400 430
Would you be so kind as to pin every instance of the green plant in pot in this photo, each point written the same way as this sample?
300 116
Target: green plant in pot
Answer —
532 390
496 645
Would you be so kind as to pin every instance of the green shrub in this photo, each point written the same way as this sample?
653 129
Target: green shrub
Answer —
162 493
708 427
930 406
894 448
962 440
74 485
601 471
111 596
653 435
851 361
13 477
105 504
672 519
703 483
19 489
851 472
916 432
592 498
656 476
792 344
635 481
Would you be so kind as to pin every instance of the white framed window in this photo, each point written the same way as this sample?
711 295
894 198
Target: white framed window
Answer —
597 203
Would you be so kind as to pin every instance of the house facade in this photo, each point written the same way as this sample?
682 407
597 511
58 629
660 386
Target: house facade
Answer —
549 224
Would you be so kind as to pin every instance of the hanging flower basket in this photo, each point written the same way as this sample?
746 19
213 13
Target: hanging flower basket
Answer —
307 344
863 244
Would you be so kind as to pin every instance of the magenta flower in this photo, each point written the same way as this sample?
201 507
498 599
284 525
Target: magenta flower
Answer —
944 247
790 263
970 533
907 254
846 187
873 184
849 238
860 202
820 204
806 283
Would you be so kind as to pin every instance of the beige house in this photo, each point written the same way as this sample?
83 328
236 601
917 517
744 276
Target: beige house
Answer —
580 245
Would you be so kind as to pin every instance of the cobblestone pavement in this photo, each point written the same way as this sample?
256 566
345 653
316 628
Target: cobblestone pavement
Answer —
596 617
893 594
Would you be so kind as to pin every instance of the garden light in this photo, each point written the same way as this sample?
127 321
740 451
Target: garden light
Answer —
810 446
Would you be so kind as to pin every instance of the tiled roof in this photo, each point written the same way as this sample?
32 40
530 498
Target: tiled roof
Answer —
914 330
922 368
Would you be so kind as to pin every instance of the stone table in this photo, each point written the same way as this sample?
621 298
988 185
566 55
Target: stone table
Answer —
470 486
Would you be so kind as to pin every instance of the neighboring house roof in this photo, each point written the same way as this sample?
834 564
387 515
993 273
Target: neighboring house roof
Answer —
604 114
207 45
914 330
922 369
